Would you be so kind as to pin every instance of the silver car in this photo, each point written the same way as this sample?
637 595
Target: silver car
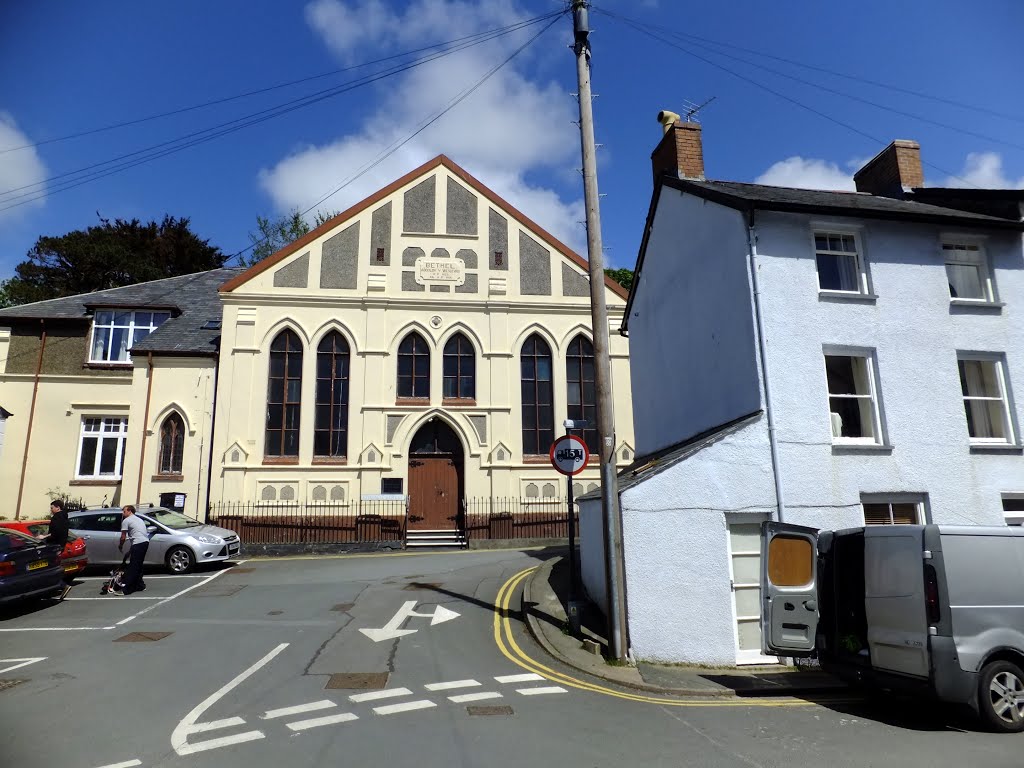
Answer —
177 542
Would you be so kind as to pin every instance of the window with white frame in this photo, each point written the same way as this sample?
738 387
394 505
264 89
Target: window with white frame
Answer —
896 511
115 331
840 265
1013 508
101 447
983 384
967 272
852 401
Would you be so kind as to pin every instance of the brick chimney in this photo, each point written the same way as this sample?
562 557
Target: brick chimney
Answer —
893 171
680 152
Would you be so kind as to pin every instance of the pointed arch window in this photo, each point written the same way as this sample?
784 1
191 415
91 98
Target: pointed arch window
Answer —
414 367
172 445
459 369
582 392
284 394
330 432
537 397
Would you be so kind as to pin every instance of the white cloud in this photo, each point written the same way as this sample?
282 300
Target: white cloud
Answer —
18 169
806 173
984 169
510 129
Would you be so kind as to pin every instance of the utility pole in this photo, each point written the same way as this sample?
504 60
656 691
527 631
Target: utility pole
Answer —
616 608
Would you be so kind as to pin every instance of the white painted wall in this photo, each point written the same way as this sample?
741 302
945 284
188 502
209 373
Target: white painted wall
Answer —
691 333
591 536
3 428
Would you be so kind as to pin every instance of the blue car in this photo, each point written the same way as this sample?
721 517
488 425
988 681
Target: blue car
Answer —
28 567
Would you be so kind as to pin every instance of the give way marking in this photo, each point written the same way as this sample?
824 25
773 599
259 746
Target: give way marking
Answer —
18 663
391 630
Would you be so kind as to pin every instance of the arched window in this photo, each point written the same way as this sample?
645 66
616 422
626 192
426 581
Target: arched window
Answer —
538 399
459 368
330 433
284 394
414 367
172 445
582 393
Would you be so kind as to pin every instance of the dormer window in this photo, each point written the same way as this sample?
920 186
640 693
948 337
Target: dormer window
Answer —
115 331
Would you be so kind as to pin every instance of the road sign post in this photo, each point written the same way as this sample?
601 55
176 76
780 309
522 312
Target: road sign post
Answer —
569 456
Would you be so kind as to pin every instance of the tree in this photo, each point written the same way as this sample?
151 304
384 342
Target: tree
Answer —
272 235
109 255
623 277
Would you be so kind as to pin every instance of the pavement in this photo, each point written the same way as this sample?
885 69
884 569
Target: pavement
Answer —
545 597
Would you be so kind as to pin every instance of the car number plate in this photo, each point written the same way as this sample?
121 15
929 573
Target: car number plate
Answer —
38 564
70 568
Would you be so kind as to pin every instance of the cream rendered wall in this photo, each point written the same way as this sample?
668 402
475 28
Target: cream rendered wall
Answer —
374 317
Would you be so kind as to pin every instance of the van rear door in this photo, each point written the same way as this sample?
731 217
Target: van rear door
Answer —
789 596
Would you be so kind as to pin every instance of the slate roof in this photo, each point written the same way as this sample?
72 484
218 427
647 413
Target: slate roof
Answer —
193 300
741 195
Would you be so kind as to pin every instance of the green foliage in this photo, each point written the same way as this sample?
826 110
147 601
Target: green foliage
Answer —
623 277
109 255
272 235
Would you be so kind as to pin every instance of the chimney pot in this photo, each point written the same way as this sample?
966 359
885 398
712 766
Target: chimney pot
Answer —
893 171
680 152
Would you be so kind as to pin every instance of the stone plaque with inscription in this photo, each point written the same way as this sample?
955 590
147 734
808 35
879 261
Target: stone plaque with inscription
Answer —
438 270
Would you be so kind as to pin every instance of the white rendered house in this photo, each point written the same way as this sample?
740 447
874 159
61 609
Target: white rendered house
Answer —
832 359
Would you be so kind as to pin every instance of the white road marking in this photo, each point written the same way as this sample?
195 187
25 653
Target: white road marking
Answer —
126 764
388 693
54 629
394 709
112 599
179 738
216 725
202 583
298 710
19 663
482 696
453 684
519 678
302 725
147 577
541 691
391 630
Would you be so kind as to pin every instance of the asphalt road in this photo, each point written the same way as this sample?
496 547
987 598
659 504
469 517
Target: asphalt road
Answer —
243 679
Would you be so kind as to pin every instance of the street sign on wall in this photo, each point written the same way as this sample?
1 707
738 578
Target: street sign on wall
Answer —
569 455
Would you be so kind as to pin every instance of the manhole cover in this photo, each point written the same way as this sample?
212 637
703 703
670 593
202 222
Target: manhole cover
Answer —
143 637
218 590
354 680
5 684
274 613
417 585
342 607
490 711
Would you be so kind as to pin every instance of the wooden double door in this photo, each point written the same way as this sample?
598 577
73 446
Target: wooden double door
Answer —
434 496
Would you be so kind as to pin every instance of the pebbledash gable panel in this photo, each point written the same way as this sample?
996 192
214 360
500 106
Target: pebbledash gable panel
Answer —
497 238
340 259
380 237
534 267
419 207
409 256
294 275
573 283
461 211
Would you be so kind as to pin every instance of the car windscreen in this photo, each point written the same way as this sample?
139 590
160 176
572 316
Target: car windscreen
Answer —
39 529
173 520
13 541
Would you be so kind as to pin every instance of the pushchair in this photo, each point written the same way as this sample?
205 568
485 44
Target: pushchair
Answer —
116 580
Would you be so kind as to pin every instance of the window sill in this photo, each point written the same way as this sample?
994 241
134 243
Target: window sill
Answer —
997 448
462 401
280 460
847 297
533 459
968 307
330 460
412 401
96 482
853 448
167 478
125 366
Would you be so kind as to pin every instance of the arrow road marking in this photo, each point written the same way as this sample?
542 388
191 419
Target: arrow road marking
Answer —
391 630
20 663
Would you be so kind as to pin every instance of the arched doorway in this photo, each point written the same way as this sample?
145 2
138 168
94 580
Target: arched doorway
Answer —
436 478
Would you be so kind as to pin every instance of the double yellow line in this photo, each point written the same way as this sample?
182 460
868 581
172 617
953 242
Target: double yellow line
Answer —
506 642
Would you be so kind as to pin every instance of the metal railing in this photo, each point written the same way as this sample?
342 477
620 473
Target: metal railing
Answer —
517 518
312 522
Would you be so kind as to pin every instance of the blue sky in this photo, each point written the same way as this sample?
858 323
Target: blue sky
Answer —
72 67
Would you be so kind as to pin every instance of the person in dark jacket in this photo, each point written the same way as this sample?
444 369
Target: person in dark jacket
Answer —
58 535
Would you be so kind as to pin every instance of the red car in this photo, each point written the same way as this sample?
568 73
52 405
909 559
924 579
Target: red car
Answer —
73 557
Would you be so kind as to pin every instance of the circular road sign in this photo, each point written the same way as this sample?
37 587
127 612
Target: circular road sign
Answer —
569 455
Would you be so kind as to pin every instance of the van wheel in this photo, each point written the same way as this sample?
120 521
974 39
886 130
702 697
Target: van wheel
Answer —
1001 696
180 560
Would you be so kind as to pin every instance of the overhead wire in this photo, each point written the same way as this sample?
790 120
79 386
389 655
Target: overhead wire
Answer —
124 162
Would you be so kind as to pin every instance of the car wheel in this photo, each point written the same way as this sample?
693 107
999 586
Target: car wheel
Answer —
180 560
1001 696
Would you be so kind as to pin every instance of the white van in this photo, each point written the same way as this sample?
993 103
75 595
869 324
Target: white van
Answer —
927 608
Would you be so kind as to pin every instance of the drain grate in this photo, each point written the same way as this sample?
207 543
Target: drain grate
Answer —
10 683
357 680
142 637
490 711
343 607
418 585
